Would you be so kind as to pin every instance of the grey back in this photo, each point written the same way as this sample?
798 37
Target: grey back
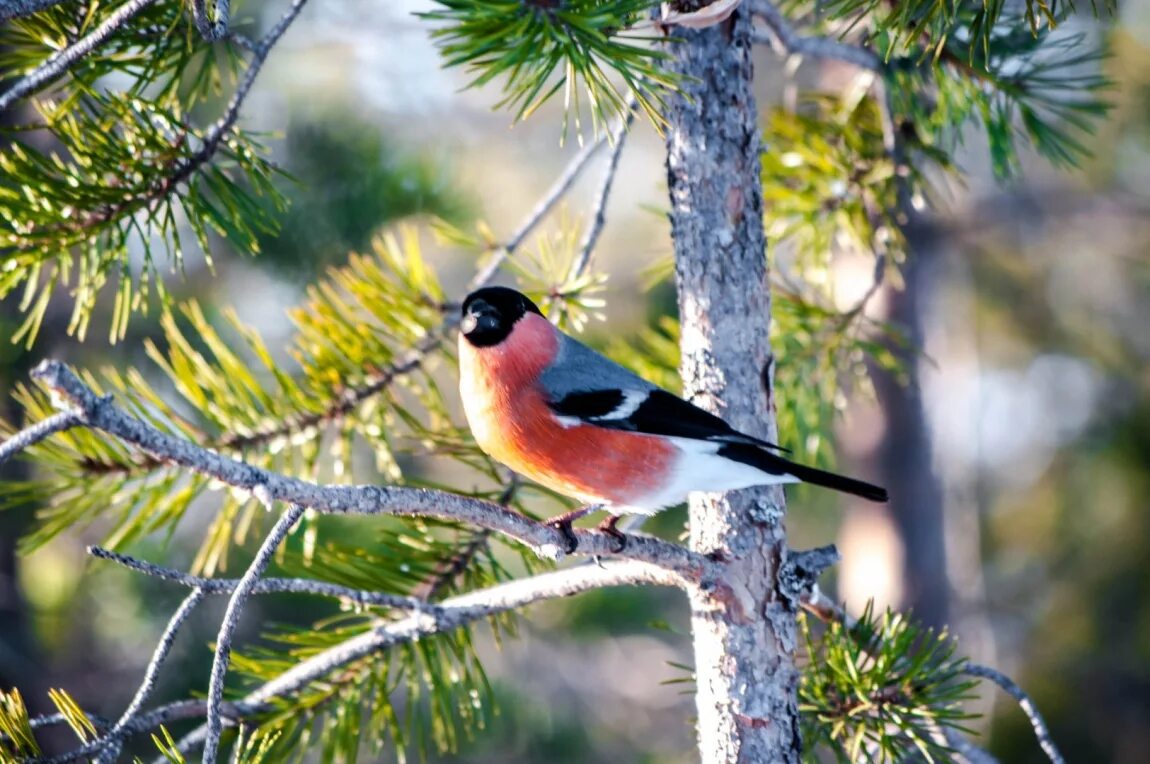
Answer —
577 368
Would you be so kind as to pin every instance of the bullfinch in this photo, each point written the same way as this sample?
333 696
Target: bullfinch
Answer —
557 412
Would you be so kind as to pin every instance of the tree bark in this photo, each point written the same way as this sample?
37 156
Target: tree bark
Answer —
744 631
906 460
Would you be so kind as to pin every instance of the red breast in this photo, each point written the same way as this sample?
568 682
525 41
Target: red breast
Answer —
509 416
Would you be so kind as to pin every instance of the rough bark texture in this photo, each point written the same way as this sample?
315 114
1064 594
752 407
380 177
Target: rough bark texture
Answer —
744 633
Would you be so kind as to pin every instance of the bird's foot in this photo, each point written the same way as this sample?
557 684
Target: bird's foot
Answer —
562 523
564 527
608 527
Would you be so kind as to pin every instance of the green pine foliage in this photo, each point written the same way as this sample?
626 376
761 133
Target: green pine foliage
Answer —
539 47
17 736
95 175
881 689
418 697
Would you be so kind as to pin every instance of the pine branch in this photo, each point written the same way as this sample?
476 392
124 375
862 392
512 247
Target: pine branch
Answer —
459 562
218 131
413 360
148 684
822 607
217 586
231 618
449 615
426 620
103 415
599 210
60 62
538 49
1041 731
14 9
783 36
33 434
348 400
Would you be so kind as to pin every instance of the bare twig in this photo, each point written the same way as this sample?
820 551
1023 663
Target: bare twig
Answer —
349 399
228 626
12 9
102 414
599 211
1041 731
220 129
449 615
114 738
784 36
263 586
800 573
166 714
30 436
560 187
99 722
59 62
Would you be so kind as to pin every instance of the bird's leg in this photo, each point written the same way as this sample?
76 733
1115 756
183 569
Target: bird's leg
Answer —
563 523
608 527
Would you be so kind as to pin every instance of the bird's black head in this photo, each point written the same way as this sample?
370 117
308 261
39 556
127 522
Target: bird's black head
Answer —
490 313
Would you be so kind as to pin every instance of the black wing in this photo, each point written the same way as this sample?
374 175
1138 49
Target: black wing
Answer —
655 412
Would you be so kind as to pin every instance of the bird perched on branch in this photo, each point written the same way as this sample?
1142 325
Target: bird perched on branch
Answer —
556 411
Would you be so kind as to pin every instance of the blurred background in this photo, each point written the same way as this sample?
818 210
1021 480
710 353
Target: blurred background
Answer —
1018 457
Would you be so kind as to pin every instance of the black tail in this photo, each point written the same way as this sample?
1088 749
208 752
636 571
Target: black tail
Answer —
776 465
838 482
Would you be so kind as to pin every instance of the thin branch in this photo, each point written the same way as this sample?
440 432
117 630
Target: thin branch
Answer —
784 36
30 436
59 62
219 130
12 9
166 714
800 572
231 618
99 722
599 214
452 568
114 739
1041 731
560 187
451 614
348 399
213 586
102 414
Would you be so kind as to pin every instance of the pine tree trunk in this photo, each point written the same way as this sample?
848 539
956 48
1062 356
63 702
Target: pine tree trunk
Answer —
744 633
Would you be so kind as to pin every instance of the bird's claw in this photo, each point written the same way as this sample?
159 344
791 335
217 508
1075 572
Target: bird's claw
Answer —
562 523
608 527
564 528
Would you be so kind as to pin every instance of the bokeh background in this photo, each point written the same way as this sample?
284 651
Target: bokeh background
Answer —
1019 456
